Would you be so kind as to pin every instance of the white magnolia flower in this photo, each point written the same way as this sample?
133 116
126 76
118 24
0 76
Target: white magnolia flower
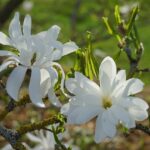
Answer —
112 102
44 140
35 54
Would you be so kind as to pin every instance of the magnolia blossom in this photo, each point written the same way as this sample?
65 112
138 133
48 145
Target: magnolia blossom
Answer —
37 53
111 103
44 140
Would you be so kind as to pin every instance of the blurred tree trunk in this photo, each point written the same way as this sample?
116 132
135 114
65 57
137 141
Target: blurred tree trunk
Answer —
6 11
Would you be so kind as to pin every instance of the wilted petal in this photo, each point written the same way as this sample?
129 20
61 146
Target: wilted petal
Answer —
69 47
35 89
27 25
15 28
14 81
4 39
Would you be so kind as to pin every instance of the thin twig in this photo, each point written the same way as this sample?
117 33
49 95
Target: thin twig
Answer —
143 128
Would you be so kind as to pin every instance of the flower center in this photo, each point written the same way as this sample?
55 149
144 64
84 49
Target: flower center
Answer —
106 102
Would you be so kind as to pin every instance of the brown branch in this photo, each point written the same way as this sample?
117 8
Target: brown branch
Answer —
11 106
6 12
12 137
37 126
143 128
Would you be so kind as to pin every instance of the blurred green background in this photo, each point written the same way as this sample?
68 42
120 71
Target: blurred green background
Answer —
75 17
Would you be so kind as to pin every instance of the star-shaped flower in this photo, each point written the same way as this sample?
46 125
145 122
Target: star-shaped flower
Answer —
35 54
111 103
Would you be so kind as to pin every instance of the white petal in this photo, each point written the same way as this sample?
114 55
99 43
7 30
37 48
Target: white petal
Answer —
14 81
4 39
84 99
44 82
105 84
53 75
27 25
15 28
119 79
100 135
5 65
69 47
139 103
33 138
81 115
65 109
86 84
35 89
57 54
6 53
121 76
7 147
133 86
53 98
138 114
40 35
71 85
52 33
107 67
122 115
108 126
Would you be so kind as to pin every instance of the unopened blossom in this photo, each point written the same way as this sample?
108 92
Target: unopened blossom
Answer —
33 53
111 103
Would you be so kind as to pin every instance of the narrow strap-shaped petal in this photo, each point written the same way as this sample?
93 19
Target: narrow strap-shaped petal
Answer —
53 98
69 47
15 27
27 25
35 88
45 82
4 39
33 137
6 53
62 79
14 81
